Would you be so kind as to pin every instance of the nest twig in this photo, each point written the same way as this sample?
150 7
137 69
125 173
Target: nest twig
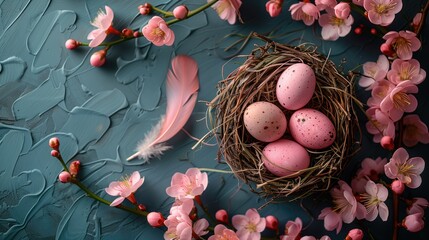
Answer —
255 80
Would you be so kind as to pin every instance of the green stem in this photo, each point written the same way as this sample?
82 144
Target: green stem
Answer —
104 201
193 12
165 13
60 158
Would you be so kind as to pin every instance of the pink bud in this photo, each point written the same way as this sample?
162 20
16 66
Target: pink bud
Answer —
72 44
55 153
145 9
222 216
414 222
74 168
342 10
397 187
386 49
54 143
155 219
136 34
355 234
64 177
126 32
272 222
274 7
387 143
98 58
180 12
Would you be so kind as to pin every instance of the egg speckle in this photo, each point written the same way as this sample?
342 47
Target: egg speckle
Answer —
296 86
312 129
285 157
265 121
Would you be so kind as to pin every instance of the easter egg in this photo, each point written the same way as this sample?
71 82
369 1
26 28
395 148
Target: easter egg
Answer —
265 121
285 157
312 129
295 86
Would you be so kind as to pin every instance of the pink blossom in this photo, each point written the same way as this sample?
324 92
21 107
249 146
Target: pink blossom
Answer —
400 100
418 205
405 169
228 10
414 222
103 22
379 91
342 10
379 124
382 12
403 70
179 226
274 7
188 185
292 229
373 200
358 184
324 4
305 11
200 227
374 71
158 32
414 131
372 168
223 233
185 205
404 43
334 27
249 226
331 219
125 188
345 203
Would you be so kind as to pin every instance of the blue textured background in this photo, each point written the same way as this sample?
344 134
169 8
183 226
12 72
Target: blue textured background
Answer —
100 113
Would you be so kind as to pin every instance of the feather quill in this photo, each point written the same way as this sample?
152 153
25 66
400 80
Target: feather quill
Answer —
181 91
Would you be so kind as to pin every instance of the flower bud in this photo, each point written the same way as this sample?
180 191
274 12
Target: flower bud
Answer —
180 12
155 219
126 32
54 143
98 58
145 9
55 153
414 222
397 187
355 234
386 49
387 143
272 222
64 177
274 7
72 44
74 168
222 216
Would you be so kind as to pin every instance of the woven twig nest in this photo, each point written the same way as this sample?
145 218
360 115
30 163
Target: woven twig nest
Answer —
255 80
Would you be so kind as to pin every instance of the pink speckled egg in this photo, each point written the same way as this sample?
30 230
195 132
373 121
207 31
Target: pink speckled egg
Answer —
312 129
295 86
285 157
265 121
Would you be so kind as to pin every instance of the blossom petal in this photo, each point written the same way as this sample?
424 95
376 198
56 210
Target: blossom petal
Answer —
383 211
117 201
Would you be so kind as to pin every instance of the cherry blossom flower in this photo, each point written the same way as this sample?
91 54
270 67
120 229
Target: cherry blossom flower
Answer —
403 70
334 27
274 7
374 71
185 205
223 233
414 131
379 124
346 204
324 4
373 200
371 168
125 188
342 10
103 23
158 32
292 229
399 100
249 226
405 169
379 91
200 227
382 12
305 11
414 222
227 10
188 185
404 43
418 205
179 226
331 219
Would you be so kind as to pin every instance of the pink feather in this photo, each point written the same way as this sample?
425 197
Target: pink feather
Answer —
182 89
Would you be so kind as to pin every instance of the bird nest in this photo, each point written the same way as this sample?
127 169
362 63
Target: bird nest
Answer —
255 80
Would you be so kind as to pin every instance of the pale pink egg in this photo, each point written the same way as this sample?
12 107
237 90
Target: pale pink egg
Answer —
295 86
265 121
312 129
285 157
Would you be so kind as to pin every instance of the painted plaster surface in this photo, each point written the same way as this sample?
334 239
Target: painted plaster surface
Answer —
100 114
